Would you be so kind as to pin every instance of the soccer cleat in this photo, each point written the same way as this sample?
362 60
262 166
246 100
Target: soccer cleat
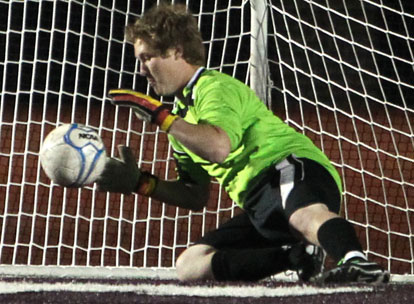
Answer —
355 270
308 260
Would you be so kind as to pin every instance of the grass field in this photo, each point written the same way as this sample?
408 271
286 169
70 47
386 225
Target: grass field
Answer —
71 290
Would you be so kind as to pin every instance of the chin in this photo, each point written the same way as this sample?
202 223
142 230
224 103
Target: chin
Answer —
161 92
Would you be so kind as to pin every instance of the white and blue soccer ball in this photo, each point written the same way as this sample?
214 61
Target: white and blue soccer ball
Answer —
73 155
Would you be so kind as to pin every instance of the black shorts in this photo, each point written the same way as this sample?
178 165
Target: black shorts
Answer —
290 185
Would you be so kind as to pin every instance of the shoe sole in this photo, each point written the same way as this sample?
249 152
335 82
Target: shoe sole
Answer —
353 274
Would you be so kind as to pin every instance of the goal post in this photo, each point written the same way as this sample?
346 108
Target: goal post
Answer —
258 49
341 72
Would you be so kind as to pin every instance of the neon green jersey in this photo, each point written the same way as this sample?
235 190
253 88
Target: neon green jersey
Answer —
258 138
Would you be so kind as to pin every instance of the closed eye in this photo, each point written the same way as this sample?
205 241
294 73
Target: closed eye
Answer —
145 57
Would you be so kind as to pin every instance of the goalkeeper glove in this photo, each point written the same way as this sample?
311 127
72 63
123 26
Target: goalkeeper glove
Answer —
144 106
124 176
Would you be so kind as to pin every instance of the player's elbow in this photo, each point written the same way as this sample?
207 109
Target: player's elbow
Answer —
197 204
200 202
196 197
199 198
220 150
219 155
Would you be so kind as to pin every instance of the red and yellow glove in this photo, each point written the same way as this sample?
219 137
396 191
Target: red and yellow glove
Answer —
144 106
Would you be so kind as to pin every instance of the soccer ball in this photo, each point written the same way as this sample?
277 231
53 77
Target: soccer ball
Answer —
73 155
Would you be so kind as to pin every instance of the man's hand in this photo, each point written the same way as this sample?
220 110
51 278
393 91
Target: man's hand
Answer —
121 176
124 176
144 106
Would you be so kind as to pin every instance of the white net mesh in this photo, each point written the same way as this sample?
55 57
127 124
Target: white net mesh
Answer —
339 71
60 58
342 73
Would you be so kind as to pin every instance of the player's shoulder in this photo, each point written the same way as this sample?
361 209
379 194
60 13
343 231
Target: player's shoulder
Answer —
212 80
214 77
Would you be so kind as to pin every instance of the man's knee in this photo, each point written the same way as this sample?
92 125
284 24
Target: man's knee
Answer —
195 263
307 220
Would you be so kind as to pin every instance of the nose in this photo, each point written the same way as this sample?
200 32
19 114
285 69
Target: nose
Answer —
143 70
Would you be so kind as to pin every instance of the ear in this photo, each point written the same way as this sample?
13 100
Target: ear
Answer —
179 52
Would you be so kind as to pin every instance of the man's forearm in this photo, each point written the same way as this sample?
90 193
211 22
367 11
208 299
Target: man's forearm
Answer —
180 194
207 141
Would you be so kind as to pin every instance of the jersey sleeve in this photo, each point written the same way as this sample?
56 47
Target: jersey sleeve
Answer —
220 105
189 171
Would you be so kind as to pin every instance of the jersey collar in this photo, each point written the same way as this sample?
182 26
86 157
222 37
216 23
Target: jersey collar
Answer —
188 90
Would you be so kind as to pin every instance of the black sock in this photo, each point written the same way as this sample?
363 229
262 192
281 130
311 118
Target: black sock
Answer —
338 237
249 264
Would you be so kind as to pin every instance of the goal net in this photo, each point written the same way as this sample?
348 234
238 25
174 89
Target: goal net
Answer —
340 72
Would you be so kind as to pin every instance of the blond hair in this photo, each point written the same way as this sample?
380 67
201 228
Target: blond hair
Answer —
169 26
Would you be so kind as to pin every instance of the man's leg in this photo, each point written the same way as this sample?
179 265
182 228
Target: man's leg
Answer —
203 262
338 238
195 263
237 252
311 201
324 228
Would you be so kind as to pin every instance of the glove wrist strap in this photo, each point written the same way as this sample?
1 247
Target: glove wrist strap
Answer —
146 184
166 124
164 118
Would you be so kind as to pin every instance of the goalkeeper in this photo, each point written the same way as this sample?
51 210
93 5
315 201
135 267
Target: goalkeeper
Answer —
288 189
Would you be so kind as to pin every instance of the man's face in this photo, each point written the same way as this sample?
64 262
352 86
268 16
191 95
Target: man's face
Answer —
162 72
